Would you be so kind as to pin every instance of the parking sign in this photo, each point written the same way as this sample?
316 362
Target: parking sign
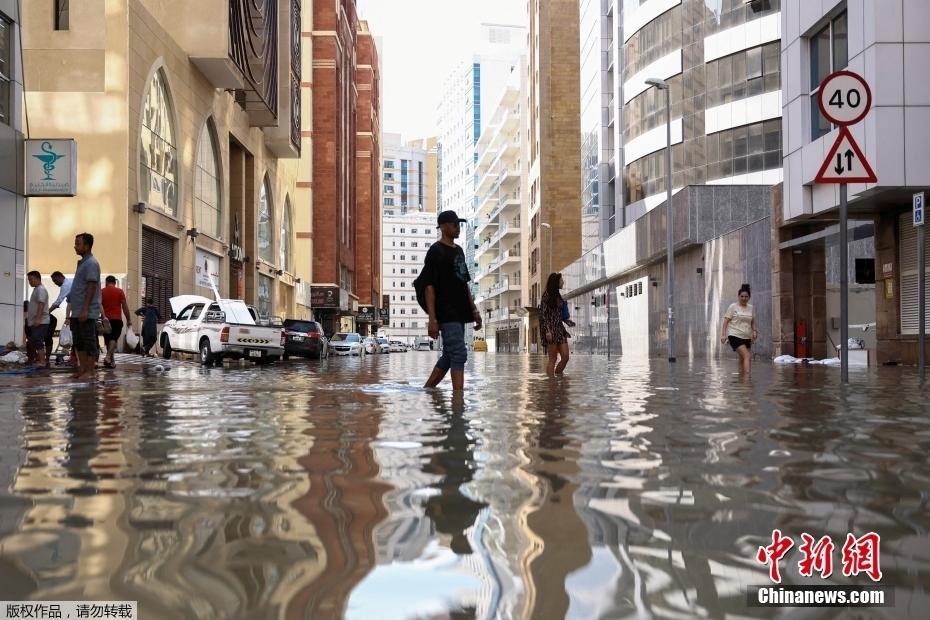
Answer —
919 204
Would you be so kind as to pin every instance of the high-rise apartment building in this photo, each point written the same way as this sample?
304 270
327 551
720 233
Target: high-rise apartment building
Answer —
499 232
409 176
553 237
469 96
407 237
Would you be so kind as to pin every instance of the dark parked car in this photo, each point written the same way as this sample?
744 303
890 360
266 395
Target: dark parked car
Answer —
304 339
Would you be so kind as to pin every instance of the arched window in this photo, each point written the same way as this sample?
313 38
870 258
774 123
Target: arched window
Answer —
158 155
285 246
208 213
265 224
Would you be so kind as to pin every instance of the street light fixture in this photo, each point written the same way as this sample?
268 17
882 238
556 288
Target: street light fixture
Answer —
669 240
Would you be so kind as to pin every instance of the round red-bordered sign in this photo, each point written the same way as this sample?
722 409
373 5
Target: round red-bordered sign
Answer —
844 98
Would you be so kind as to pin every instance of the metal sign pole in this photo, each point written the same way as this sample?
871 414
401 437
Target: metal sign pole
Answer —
921 301
844 287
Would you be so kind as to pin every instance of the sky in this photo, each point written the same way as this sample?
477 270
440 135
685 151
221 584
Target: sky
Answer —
420 42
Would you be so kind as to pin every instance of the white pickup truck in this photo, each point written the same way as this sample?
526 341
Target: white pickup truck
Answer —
218 329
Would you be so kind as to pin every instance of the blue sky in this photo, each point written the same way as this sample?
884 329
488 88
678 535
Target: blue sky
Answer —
420 40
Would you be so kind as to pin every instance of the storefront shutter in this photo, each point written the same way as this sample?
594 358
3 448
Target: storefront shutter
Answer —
158 269
908 261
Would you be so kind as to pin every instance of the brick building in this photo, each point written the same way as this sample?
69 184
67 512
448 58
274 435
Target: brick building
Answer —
368 178
346 166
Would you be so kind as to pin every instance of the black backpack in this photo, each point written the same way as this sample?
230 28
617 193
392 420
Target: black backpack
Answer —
419 285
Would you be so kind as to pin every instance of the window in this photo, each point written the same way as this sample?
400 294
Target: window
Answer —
403 284
402 270
285 247
403 257
414 244
264 296
403 311
403 243
207 206
414 271
388 163
158 155
829 50
403 230
388 189
413 230
62 14
414 311
265 224
403 298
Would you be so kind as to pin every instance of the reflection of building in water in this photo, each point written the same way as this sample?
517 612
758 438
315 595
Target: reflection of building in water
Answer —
344 502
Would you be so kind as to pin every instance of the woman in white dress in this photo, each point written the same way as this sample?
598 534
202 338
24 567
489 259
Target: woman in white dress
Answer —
739 328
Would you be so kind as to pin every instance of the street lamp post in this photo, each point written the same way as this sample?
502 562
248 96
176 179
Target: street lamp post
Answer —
669 237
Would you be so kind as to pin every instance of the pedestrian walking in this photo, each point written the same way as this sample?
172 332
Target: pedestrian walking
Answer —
150 320
114 309
739 328
64 289
447 300
84 306
551 329
37 318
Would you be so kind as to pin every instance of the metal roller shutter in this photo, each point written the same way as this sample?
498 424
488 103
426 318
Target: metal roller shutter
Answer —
908 261
158 269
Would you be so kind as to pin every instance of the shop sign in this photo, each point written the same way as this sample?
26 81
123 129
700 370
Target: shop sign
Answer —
324 297
384 314
207 270
51 167
366 314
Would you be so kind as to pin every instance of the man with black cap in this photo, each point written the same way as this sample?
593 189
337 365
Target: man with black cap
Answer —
449 303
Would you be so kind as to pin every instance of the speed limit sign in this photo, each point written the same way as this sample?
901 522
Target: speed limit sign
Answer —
844 98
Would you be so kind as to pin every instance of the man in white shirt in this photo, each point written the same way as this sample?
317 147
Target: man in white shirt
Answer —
64 289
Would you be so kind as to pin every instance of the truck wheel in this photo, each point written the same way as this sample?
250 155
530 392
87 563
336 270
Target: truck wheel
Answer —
165 347
206 354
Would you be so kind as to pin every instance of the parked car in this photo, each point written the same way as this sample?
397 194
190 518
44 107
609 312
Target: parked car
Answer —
304 339
346 343
423 343
384 344
370 343
219 329
398 347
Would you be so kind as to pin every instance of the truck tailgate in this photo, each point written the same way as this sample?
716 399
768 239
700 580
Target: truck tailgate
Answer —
255 336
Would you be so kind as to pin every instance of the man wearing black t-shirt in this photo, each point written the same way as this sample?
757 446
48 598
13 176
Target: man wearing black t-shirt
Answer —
448 300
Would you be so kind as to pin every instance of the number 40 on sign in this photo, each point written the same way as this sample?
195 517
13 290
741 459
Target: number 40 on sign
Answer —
845 99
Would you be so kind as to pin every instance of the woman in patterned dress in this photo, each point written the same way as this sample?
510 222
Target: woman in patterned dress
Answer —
552 331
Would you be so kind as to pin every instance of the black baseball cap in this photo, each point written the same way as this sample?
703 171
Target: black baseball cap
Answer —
448 217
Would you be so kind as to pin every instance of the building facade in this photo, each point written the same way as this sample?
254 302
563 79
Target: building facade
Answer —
368 181
409 177
721 63
13 205
499 232
407 237
192 183
553 236
469 97
601 113
888 44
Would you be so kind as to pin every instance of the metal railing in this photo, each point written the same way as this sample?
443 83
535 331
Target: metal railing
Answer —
253 46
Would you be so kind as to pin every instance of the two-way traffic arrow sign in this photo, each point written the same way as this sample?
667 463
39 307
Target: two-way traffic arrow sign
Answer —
845 162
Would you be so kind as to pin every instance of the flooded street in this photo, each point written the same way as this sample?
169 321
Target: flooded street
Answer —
343 489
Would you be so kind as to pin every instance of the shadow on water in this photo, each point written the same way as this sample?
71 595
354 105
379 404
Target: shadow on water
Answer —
340 489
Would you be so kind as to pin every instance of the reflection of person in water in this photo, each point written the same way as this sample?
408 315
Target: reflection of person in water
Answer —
83 438
452 511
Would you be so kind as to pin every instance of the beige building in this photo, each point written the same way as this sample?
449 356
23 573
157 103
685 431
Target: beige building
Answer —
188 125
500 214
553 237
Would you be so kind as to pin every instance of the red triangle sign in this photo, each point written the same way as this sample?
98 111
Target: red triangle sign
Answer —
845 163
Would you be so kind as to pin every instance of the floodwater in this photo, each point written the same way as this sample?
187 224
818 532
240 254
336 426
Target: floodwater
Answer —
343 489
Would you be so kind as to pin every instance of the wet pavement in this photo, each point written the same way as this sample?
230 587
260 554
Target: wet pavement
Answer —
343 489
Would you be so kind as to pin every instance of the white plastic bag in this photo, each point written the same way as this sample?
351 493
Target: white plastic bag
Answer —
132 341
64 337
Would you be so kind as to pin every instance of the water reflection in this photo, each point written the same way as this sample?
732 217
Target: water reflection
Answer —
342 489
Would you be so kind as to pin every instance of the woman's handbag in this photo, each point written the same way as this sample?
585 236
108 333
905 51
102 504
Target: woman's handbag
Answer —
103 326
